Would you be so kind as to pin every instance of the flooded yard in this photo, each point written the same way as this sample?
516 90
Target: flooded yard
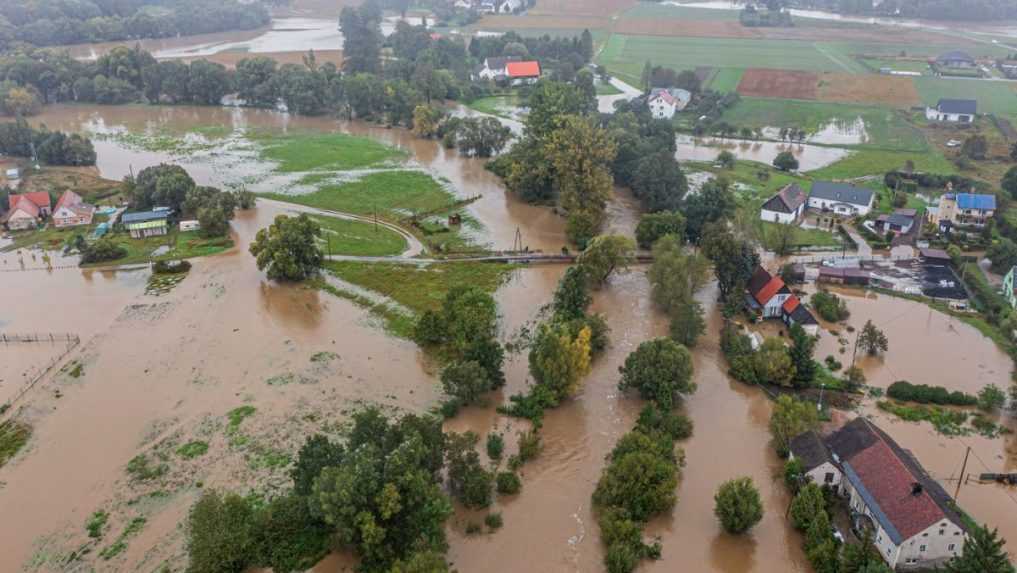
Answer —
810 157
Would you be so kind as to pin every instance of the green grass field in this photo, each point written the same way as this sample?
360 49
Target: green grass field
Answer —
417 288
897 65
625 55
394 194
657 10
869 162
803 237
315 152
499 105
993 97
886 128
347 237
606 89
725 80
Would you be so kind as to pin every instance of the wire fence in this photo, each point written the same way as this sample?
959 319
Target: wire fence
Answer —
68 341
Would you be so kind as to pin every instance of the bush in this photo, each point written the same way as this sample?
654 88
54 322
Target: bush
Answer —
991 398
529 445
924 394
661 370
219 535
738 505
833 364
493 521
465 381
171 267
653 226
508 483
672 424
286 537
830 306
467 478
495 446
102 251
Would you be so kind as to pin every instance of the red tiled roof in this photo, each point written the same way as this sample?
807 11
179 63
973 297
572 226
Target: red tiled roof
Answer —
771 288
39 198
530 69
890 483
791 304
68 199
23 203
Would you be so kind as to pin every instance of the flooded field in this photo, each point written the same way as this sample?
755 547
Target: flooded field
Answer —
810 157
157 372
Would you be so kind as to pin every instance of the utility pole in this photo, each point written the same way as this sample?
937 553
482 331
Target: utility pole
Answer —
964 467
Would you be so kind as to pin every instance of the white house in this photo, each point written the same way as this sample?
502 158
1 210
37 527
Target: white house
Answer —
841 198
71 211
495 68
953 110
913 521
509 6
787 206
664 103
767 294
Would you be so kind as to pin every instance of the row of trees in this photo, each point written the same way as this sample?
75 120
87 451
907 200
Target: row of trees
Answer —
19 139
55 22
473 136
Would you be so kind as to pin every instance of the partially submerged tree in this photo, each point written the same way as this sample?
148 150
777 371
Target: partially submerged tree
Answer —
983 553
288 248
661 370
790 418
605 255
737 505
872 340
786 161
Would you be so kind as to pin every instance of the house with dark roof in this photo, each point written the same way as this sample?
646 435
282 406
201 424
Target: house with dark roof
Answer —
793 312
913 520
787 206
841 198
900 222
956 59
953 110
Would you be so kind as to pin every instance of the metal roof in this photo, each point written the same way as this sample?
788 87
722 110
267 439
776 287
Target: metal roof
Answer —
976 201
958 106
143 216
841 192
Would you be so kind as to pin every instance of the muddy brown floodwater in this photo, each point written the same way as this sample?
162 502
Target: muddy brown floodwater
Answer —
170 367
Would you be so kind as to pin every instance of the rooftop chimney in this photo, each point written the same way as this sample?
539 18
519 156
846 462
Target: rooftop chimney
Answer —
916 488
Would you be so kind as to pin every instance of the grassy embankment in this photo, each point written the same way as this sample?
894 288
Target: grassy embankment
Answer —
416 289
497 105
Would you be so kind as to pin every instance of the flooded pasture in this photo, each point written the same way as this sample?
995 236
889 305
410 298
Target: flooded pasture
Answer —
810 157
160 371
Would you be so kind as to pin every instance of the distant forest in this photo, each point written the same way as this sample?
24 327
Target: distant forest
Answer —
59 22
927 9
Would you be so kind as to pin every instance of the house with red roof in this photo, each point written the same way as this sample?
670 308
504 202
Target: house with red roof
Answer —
794 312
914 522
71 210
26 210
767 294
526 72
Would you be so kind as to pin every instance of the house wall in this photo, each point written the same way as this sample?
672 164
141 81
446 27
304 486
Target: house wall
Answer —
881 539
148 232
838 207
68 218
778 217
818 475
19 220
940 542
934 114
660 109
773 306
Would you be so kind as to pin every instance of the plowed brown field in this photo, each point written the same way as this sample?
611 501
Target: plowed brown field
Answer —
783 84
843 88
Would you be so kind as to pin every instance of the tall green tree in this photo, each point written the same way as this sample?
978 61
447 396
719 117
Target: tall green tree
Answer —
983 553
791 417
581 153
734 260
803 347
872 340
362 39
737 505
605 255
714 202
660 370
288 248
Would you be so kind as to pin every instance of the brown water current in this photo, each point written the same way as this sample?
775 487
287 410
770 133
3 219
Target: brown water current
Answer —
160 371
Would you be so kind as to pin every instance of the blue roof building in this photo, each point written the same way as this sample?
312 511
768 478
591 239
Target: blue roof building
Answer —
966 201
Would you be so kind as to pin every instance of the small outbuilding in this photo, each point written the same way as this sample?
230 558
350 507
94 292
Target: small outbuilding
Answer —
953 110
146 223
787 206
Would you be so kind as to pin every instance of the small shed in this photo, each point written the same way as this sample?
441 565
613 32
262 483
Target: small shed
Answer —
189 226
934 255
146 223
844 276
13 173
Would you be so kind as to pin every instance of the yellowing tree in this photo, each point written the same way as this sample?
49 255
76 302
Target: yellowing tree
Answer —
581 154
559 360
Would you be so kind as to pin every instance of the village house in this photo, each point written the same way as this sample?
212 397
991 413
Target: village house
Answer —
841 198
26 210
509 6
900 222
953 110
787 206
494 68
146 223
956 59
71 210
965 209
527 72
770 297
664 103
913 521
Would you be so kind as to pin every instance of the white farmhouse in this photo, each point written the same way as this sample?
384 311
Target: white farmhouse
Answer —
664 103
494 68
787 206
953 110
841 198
913 521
